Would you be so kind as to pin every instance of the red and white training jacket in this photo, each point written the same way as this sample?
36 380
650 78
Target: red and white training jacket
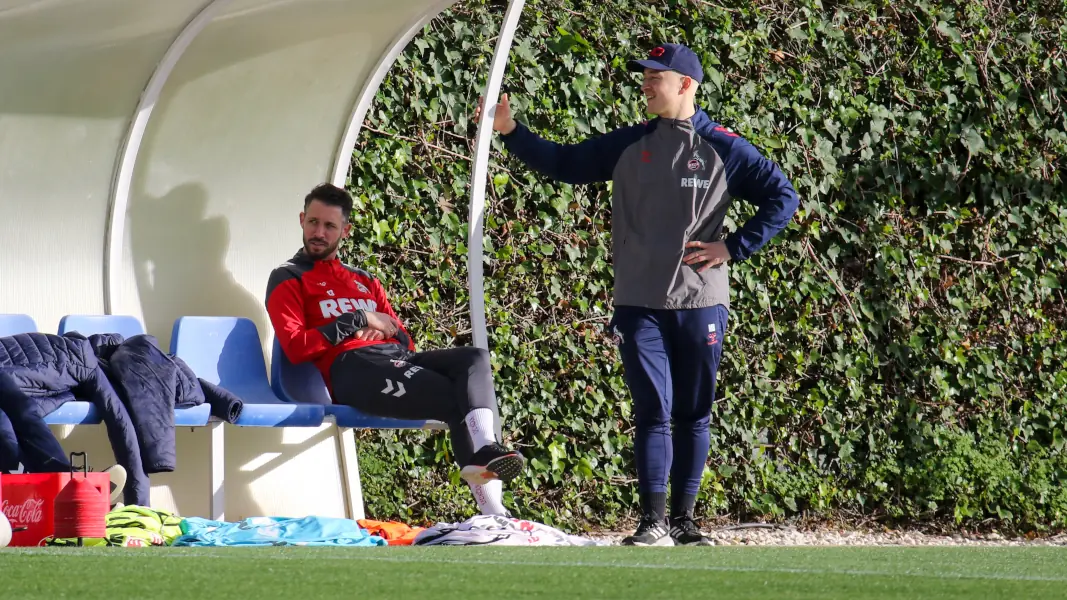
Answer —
305 299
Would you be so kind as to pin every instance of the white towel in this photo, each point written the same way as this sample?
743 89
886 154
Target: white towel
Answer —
497 530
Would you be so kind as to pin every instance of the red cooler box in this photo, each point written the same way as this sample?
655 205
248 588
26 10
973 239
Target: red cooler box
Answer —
28 500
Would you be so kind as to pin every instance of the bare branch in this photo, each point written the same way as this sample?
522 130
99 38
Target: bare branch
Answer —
811 251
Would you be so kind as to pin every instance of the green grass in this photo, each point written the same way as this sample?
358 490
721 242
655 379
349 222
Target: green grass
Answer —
471 573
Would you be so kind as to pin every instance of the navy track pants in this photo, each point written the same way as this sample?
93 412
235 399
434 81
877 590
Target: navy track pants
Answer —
670 358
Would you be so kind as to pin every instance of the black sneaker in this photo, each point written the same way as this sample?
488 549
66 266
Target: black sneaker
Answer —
493 462
650 532
684 532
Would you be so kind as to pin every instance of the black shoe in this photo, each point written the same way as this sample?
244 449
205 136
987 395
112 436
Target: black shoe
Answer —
493 462
684 532
650 532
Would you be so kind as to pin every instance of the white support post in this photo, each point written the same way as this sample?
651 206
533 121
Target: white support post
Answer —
480 174
350 483
218 470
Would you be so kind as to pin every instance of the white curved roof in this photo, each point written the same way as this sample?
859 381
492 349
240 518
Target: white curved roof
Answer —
154 153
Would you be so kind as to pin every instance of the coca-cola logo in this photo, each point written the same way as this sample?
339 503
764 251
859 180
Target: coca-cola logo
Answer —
30 511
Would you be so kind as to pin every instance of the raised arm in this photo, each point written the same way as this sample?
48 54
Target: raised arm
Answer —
588 161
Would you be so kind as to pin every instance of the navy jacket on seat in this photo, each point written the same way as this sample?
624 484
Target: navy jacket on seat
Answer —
133 384
151 384
38 373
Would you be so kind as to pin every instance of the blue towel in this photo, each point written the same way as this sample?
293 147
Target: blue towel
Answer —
276 531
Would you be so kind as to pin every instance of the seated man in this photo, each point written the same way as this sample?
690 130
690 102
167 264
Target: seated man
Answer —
338 316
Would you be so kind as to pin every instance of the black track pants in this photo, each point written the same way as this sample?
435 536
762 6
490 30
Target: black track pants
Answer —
387 380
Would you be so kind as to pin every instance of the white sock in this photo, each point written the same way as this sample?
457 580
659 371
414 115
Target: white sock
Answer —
480 426
490 497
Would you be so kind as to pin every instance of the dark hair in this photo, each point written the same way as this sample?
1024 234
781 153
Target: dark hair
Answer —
332 195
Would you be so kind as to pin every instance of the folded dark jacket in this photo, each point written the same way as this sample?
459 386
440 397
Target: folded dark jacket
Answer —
152 383
149 383
224 405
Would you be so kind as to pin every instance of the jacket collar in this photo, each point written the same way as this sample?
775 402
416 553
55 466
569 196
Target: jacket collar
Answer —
700 121
301 257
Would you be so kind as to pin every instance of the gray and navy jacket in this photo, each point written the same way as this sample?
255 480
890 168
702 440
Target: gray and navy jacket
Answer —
672 182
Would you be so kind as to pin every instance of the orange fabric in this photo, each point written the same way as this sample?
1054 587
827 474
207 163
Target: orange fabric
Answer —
397 534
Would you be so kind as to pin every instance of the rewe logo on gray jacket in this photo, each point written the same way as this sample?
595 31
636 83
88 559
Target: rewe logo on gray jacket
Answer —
694 182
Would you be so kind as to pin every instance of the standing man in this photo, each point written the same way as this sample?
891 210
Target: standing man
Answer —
339 318
673 179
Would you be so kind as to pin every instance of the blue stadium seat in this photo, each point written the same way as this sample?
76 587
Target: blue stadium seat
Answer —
346 416
85 413
303 383
74 413
296 383
125 325
16 323
226 351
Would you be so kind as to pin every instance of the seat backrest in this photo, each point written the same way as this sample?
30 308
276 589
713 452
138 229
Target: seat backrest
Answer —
296 383
225 351
125 325
12 324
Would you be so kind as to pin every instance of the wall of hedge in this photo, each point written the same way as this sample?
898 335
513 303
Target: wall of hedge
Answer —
898 354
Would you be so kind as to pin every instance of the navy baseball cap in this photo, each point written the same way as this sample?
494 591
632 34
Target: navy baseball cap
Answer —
670 57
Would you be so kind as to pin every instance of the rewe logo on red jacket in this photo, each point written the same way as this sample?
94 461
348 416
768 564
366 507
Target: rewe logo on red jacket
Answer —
334 308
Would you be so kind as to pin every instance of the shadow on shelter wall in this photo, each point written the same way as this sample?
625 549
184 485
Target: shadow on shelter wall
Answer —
179 256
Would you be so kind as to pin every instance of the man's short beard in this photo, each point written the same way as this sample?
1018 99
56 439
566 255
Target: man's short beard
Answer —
320 255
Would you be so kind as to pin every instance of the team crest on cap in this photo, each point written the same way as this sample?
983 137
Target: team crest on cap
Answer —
657 52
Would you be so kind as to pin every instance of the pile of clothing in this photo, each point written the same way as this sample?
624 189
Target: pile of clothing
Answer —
132 383
132 527
276 531
138 526
497 530
482 530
